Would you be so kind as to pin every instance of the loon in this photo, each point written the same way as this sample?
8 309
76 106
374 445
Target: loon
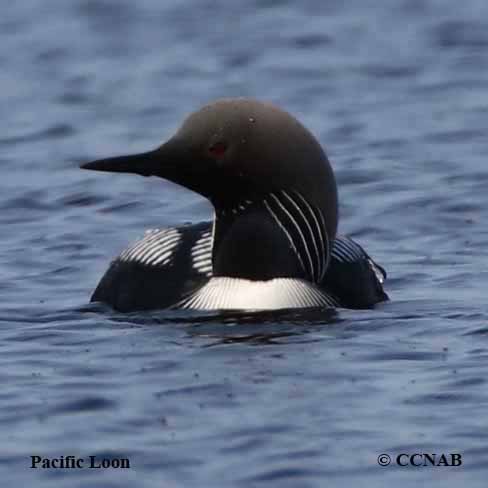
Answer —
273 242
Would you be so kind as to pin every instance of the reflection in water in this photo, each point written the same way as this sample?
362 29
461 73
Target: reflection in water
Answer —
260 327
255 327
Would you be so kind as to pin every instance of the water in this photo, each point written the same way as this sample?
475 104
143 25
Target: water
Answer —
396 91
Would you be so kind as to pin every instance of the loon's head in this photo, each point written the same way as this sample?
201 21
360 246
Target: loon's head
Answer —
234 150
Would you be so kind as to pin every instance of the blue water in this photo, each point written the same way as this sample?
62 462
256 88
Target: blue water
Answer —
397 93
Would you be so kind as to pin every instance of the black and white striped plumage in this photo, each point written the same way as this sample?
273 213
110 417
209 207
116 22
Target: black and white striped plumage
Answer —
169 267
304 226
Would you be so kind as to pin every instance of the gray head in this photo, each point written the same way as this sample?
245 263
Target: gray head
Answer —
237 149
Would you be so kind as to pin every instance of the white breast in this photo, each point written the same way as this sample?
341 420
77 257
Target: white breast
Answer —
239 294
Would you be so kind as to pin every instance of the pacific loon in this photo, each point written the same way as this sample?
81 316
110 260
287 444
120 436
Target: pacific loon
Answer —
273 243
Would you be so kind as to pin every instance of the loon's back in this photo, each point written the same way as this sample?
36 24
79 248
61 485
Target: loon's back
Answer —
172 267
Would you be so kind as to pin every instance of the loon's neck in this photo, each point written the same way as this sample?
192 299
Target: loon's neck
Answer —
275 235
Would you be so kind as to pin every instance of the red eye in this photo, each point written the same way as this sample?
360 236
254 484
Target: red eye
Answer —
218 149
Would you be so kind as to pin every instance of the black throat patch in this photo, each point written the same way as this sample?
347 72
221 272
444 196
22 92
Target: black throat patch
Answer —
276 235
